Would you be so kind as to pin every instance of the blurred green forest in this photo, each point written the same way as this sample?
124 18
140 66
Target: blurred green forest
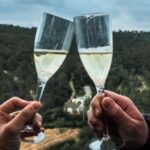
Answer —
129 75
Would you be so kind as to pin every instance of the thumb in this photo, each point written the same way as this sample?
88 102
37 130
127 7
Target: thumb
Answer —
18 122
115 112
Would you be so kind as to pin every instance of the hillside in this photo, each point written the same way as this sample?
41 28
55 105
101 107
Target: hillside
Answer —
129 72
129 75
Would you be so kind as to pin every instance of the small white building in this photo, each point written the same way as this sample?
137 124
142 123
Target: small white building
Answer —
75 105
72 108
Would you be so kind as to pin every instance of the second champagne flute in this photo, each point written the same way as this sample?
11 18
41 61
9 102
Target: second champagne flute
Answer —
94 42
52 42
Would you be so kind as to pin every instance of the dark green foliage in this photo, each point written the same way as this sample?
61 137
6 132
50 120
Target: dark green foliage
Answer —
129 75
130 71
17 71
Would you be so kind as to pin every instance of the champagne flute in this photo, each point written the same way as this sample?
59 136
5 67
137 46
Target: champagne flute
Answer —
52 42
94 42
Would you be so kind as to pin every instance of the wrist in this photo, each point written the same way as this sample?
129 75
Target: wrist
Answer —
146 145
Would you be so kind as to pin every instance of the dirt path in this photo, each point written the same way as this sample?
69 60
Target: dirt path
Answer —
53 136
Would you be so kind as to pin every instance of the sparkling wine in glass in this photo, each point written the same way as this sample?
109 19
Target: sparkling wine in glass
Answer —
52 42
94 42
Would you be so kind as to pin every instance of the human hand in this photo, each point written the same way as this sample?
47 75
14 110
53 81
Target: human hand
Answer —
10 125
124 120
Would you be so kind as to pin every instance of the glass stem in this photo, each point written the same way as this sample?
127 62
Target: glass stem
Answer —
39 93
40 90
100 90
104 117
83 119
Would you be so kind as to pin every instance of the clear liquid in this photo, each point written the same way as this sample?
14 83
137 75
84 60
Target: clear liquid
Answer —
47 62
97 63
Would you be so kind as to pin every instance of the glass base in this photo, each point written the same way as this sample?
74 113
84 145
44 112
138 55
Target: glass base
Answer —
100 144
108 144
32 139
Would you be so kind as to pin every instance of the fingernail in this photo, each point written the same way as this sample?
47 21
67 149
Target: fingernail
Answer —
97 113
39 123
36 105
103 94
107 103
